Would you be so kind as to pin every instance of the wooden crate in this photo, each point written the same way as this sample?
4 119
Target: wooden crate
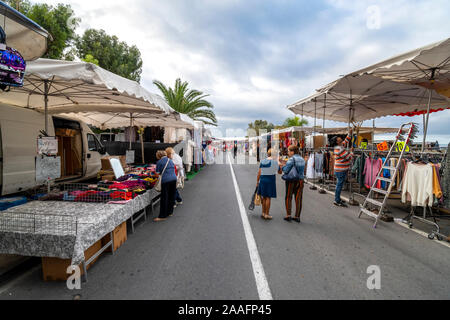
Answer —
55 269
119 235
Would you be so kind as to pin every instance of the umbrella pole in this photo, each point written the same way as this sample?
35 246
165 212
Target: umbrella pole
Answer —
313 187
425 124
322 189
46 89
351 199
131 128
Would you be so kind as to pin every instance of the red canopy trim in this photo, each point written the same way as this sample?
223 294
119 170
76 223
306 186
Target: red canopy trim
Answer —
418 113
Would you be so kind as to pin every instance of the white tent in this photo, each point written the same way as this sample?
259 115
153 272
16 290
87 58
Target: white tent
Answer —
23 34
358 98
58 87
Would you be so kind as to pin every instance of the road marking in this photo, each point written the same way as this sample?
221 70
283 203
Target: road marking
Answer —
260 277
397 221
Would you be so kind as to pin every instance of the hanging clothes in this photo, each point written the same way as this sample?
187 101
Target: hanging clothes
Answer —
310 167
358 169
386 174
418 185
318 164
371 169
445 179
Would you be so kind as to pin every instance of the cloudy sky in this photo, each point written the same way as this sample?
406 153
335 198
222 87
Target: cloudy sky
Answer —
254 57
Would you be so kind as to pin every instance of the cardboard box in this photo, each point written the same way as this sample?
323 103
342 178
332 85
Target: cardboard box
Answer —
55 269
106 165
119 236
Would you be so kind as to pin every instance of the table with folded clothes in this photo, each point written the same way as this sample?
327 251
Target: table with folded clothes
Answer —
65 229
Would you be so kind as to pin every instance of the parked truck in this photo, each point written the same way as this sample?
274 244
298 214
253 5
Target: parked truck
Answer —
78 147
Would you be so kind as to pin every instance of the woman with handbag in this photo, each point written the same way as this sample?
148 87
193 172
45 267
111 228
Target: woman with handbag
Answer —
293 174
266 183
166 168
178 161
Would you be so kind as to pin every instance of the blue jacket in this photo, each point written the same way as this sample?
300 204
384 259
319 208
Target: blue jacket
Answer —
169 174
299 165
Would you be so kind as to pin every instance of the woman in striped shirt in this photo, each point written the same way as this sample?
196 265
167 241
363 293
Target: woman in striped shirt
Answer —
341 165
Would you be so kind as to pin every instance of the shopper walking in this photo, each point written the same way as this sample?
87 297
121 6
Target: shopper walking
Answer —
294 187
166 168
235 149
267 183
178 162
341 165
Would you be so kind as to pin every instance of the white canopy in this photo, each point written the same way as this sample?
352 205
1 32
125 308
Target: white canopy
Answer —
110 120
81 87
23 34
419 66
363 97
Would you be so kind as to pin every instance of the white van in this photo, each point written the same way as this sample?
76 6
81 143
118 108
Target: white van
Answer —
78 147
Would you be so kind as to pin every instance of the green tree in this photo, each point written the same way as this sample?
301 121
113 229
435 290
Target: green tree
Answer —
113 55
190 102
91 59
294 122
58 20
258 125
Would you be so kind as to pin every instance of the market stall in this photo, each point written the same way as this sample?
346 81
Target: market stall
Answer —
404 84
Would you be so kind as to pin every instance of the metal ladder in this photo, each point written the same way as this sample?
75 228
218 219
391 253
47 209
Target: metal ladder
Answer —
369 199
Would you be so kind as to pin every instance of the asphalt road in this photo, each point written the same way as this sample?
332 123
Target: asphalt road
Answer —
202 253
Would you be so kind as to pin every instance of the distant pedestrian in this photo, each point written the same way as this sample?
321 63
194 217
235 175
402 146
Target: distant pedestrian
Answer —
266 182
341 165
235 149
294 187
166 168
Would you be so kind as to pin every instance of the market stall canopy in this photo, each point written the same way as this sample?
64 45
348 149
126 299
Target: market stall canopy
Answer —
23 34
110 120
365 97
338 130
428 66
81 87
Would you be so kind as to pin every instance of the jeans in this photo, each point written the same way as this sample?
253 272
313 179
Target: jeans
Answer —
341 176
177 196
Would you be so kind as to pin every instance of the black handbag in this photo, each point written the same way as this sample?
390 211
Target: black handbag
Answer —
251 207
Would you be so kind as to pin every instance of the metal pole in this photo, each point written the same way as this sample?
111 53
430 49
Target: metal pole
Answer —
322 189
425 127
313 187
351 199
46 89
131 127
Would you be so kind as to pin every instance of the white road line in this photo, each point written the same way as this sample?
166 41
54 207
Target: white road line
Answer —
400 223
260 277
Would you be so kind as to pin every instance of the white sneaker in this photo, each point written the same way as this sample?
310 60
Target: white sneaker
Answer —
179 203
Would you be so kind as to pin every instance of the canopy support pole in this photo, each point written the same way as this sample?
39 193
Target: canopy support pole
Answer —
131 128
322 189
46 90
313 187
425 124
351 201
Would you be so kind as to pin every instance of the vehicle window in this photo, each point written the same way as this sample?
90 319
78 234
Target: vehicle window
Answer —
92 142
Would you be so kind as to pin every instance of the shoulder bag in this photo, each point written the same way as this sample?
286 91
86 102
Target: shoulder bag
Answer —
292 175
159 182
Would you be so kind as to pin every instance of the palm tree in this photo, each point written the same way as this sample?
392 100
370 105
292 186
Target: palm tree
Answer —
294 122
190 102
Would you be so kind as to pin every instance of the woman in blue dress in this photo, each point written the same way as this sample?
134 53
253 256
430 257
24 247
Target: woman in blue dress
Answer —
266 181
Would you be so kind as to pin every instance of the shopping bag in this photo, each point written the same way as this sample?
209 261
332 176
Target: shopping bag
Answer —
251 207
257 200
180 181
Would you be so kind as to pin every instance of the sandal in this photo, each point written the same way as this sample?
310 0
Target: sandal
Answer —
159 219
288 219
297 219
268 217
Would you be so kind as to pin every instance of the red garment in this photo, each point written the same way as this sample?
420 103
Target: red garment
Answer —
418 113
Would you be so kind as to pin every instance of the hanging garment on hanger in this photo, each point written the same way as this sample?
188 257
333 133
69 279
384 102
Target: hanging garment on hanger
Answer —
418 185
318 164
386 174
310 167
445 179
371 169
358 169
437 190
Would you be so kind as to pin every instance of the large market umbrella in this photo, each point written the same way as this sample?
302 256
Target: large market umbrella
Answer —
428 67
23 34
58 87
357 98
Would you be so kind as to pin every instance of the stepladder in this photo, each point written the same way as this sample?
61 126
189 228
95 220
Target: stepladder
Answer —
405 133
